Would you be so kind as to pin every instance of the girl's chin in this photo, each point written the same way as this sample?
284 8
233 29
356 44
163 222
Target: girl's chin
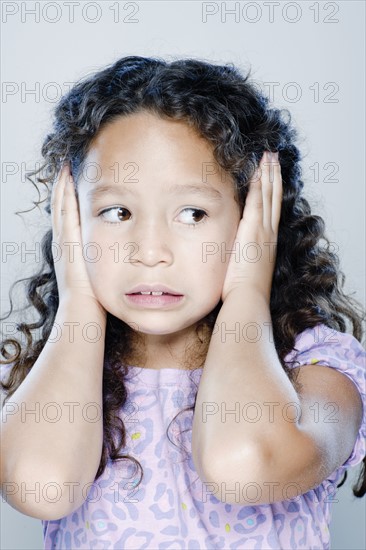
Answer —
156 322
155 330
158 327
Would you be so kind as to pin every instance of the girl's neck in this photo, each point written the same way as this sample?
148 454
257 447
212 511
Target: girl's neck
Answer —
182 350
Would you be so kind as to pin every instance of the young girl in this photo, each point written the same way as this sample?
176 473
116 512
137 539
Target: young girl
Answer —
193 385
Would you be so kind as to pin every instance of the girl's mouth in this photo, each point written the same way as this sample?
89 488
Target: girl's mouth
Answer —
153 293
154 299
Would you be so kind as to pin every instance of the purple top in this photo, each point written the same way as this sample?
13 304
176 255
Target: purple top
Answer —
171 508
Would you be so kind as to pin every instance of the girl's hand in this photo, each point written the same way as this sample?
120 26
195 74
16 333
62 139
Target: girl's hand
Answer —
71 274
257 232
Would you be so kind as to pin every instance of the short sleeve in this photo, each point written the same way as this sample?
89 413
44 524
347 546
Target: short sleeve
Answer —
325 346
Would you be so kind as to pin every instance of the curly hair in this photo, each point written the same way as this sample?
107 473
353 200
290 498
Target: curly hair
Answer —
224 107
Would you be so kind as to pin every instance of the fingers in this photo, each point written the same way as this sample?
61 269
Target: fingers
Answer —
64 206
253 209
56 200
277 196
267 181
264 200
69 210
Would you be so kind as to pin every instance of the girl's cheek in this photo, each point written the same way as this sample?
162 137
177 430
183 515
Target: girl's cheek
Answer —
91 228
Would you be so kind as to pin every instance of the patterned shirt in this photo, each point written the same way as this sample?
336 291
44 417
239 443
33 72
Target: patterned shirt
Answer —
172 508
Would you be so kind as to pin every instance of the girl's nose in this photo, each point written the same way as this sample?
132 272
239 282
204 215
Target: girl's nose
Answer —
153 245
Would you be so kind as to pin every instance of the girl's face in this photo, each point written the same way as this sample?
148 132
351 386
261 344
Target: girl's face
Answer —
151 233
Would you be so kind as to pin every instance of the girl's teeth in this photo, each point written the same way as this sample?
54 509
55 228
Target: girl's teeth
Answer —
157 293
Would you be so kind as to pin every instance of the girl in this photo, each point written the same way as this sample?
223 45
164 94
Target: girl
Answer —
194 385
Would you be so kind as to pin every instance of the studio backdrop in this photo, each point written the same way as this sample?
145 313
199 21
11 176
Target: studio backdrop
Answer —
308 56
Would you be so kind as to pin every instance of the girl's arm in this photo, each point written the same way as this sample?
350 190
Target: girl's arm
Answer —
248 439
52 425
247 436
242 379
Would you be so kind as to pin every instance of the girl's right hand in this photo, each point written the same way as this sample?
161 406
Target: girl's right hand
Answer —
71 273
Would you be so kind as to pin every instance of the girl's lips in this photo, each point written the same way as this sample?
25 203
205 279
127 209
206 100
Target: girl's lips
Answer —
153 287
151 301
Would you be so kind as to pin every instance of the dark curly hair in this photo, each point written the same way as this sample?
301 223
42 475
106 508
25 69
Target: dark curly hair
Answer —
233 115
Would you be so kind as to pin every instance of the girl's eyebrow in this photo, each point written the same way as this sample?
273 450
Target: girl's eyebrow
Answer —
205 191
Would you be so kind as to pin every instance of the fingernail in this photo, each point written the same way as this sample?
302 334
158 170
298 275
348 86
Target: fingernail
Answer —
272 157
62 167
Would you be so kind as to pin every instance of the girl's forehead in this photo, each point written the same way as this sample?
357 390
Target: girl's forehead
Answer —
136 131
155 152
143 147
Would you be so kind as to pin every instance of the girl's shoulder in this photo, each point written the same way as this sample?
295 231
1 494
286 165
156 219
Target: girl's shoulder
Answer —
322 345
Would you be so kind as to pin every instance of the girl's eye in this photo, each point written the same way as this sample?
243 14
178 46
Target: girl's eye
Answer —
109 212
201 213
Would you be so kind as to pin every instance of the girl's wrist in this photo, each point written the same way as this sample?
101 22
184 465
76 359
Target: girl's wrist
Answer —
83 303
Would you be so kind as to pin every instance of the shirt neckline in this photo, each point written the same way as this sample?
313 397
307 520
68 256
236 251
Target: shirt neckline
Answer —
161 377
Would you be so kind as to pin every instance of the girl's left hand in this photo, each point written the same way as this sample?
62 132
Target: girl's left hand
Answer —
257 232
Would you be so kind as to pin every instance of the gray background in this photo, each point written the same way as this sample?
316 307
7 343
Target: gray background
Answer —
313 51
